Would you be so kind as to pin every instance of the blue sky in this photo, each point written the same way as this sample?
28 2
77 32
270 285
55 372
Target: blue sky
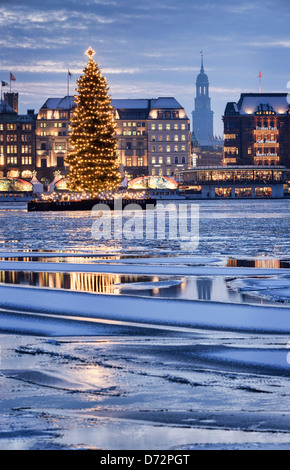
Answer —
146 49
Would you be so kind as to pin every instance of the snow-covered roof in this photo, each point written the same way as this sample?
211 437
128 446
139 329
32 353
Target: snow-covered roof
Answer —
165 103
5 108
59 103
130 103
249 102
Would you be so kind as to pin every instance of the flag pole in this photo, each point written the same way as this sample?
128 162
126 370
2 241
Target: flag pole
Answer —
260 76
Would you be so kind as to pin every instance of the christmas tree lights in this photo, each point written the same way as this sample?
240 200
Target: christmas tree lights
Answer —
93 160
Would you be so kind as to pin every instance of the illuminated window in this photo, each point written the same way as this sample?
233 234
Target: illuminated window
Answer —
26 160
176 137
25 148
153 138
140 161
160 127
11 148
129 161
168 127
183 137
160 160
160 172
12 160
153 127
153 160
168 161
167 148
153 172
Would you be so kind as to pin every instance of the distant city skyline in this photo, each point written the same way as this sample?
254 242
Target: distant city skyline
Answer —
146 50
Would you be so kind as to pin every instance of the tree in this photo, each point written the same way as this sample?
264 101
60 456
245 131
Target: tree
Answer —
93 160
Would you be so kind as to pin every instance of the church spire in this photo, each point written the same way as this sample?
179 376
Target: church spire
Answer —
201 67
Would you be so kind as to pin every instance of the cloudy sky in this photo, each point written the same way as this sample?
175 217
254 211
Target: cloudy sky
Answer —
146 48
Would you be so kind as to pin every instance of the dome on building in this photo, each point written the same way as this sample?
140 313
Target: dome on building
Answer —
202 76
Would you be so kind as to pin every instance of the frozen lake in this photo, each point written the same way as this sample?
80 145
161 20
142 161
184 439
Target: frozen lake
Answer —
161 343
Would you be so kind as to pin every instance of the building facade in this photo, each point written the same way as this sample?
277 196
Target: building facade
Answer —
257 130
153 136
17 141
52 136
202 116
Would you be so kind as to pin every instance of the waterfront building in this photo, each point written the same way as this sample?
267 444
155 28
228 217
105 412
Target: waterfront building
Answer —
52 136
17 140
257 130
202 116
153 136
235 182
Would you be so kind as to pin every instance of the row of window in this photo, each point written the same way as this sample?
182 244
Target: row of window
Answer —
168 148
168 126
55 134
14 137
160 172
13 160
154 161
168 160
176 138
13 127
14 149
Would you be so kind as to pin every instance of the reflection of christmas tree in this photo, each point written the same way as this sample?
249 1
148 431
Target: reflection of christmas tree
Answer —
93 161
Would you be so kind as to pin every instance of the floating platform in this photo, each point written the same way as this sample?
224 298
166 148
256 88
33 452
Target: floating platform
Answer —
88 204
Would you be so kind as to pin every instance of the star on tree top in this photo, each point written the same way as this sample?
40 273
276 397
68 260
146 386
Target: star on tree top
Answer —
90 53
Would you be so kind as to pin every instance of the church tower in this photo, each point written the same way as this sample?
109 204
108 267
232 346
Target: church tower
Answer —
202 116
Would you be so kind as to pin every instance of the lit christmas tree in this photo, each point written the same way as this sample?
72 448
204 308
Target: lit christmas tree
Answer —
93 160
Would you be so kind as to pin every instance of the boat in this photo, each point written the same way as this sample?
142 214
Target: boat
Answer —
15 196
88 204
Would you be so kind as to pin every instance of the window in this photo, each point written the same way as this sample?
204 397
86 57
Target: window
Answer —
26 160
175 148
176 160
2 162
167 148
11 148
25 127
160 160
153 127
176 138
25 148
168 138
129 161
160 172
167 114
175 126
11 127
43 124
183 137
43 146
12 160
168 161
183 160
59 146
160 127
159 114
11 137
153 160
153 138
183 148
43 163
153 148
160 148
183 127
140 161
128 145
168 171
168 127
153 172
160 138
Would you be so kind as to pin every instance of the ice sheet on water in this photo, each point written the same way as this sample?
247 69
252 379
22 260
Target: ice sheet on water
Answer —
274 288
